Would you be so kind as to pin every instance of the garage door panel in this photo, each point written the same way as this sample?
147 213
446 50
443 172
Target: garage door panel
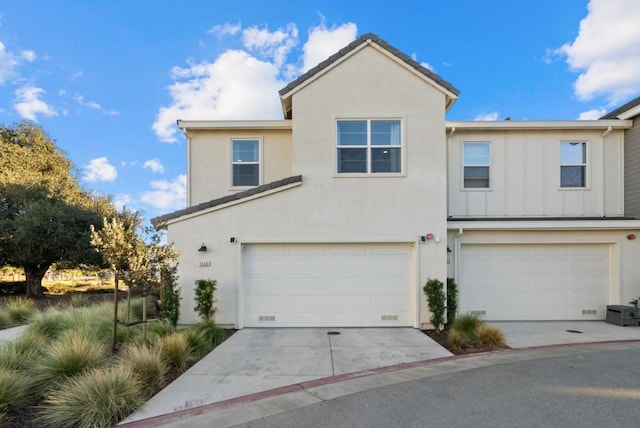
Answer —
536 281
326 284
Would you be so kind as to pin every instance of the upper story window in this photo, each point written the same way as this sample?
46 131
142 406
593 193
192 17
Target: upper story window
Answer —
476 164
573 164
369 146
245 162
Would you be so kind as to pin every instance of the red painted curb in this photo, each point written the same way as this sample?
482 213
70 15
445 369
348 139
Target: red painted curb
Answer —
181 414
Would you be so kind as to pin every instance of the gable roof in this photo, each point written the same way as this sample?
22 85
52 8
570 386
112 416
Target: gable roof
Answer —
619 113
161 221
350 48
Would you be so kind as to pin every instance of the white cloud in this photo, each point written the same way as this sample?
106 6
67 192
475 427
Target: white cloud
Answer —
29 105
154 165
121 200
9 63
274 45
78 74
167 194
324 42
100 169
226 29
606 51
244 83
594 114
93 105
424 64
487 116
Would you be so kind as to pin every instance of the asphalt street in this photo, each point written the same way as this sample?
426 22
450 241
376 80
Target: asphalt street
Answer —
595 389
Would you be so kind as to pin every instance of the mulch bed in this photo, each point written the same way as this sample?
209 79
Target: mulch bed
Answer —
441 338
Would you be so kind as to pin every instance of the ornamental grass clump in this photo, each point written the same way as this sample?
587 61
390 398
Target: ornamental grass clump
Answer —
66 357
147 365
174 350
469 332
16 391
5 321
98 398
19 309
50 323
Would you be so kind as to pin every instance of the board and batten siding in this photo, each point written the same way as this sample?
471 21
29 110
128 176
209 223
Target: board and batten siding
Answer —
525 175
632 170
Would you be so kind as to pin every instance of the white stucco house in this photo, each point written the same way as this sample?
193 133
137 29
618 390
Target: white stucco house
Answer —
338 214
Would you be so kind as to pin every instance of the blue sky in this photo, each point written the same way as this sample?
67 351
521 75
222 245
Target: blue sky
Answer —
108 79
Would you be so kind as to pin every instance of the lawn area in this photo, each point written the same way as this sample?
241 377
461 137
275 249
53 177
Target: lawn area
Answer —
63 373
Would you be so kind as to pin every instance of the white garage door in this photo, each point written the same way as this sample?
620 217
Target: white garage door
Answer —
326 285
534 282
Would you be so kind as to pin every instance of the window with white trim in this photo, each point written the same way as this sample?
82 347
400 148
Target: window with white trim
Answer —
245 162
573 164
369 146
476 164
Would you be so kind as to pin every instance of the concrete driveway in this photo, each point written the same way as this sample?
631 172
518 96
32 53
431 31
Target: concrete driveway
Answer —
255 360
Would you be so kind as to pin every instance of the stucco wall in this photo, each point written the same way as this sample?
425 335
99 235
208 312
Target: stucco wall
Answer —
328 207
525 175
209 160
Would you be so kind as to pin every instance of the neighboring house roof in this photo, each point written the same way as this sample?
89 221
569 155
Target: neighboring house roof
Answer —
162 220
351 47
626 111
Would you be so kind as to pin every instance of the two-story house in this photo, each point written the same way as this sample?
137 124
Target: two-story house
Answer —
338 214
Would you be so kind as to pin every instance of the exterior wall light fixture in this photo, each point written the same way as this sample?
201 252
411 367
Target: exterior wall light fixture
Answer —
203 248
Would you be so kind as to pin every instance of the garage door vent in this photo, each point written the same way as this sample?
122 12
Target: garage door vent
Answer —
589 312
478 313
389 318
267 318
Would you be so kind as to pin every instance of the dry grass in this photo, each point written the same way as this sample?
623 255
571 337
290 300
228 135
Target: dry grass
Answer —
147 365
489 338
174 350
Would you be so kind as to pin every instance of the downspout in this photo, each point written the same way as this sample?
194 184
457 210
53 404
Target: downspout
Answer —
601 199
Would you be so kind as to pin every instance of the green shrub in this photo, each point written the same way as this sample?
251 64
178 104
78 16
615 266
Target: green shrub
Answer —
452 300
79 300
147 365
174 350
16 390
68 356
170 302
434 289
214 334
489 338
205 290
19 309
136 308
98 398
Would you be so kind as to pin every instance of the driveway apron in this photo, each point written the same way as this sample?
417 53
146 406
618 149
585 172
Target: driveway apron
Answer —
255 360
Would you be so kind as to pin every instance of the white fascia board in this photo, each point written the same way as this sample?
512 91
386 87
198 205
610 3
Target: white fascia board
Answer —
544 225
186 125
539 124
631 113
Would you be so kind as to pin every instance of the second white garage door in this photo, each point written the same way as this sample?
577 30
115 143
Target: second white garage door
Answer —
534 282
327 285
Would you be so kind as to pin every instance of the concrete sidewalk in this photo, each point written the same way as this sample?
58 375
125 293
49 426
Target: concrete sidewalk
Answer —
256 360
13 333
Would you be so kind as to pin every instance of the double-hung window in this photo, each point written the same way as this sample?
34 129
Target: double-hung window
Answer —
476 164
369 146
573 164
245 162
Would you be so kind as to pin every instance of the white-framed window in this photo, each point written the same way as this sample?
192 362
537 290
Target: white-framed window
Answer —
369 146
573 164
476 160
245 162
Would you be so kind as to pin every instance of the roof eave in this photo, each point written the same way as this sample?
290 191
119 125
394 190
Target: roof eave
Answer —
539 124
